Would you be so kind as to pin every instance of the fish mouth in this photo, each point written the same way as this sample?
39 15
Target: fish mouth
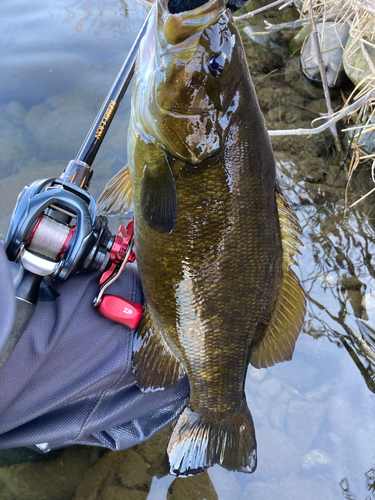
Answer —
178 27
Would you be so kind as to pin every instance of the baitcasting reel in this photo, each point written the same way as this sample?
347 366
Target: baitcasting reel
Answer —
54 230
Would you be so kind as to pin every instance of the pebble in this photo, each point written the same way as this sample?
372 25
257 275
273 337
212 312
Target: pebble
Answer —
269 388
303 422
291 487
277 454
277 416
298 374
315 458
61 130
331 42
258 374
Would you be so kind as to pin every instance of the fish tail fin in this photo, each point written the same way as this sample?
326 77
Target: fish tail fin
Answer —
198 442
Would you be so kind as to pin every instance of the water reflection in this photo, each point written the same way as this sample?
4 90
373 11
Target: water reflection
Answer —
341 282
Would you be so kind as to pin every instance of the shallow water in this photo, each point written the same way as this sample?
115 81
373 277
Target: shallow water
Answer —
314 416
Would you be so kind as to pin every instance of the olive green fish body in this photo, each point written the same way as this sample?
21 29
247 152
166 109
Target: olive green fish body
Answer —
214 236
216 276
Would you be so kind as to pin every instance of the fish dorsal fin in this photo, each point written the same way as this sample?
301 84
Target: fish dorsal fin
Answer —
117 197
277 343
155 367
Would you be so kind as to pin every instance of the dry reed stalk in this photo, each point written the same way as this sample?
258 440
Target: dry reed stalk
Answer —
263 9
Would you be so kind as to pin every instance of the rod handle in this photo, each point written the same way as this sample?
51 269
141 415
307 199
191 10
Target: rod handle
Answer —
27 289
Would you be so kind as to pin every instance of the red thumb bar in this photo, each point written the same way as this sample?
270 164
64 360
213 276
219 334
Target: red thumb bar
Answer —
120 310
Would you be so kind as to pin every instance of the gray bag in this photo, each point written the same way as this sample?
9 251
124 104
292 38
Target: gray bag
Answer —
69 380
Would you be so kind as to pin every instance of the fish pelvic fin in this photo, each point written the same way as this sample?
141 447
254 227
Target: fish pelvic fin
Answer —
198 442
117 197
155 367
159 196
278 342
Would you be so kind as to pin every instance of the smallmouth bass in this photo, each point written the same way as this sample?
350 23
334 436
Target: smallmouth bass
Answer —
215 238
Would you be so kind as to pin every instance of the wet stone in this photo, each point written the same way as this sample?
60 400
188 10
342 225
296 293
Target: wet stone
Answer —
269 388
119 493
355 62
133 471
265 39
277 416
297 41
315 458
303 422
59 130
153 452
192 488
14 147
291 488
276 114
16 112
332 38
297 373
57 479
258 374
276 453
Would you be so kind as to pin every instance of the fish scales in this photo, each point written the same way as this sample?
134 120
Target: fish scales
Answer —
214 268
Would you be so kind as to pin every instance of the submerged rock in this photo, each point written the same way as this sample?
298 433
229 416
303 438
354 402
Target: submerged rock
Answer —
297 41
56 479
291 487
259 35
315 458
303 422
363 137
277 416
270 388
16 112
14 146
192 488
58 131
332 39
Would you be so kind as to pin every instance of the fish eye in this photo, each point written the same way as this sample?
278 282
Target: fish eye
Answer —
216 64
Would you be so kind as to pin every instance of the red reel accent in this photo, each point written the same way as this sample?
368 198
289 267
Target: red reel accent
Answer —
120 310
118 250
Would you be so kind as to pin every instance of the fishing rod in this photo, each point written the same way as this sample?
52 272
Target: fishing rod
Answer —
54 230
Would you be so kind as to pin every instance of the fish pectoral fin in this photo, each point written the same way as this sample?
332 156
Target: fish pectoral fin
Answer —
198 442
117 197
155 367
159 196
281 333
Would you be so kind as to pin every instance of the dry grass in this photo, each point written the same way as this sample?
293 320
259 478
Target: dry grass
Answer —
360 14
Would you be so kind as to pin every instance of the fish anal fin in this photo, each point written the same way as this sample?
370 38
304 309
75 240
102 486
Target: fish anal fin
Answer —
159 196
117 196
155 367
278 341
198 442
